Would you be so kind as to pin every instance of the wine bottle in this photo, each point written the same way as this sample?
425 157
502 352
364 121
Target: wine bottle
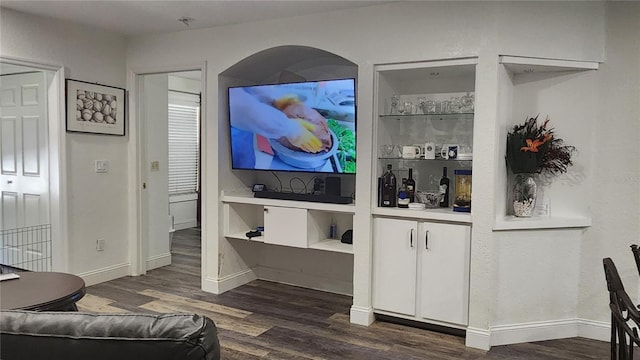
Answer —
444 189
388 188
403 196
411 187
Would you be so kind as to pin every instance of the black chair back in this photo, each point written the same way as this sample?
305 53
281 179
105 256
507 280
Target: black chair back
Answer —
625 318
636 255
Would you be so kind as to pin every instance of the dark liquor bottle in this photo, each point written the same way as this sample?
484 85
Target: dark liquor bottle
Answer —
388 188
403 195
411 187
444 189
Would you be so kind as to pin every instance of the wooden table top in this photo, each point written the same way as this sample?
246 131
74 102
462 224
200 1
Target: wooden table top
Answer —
41 291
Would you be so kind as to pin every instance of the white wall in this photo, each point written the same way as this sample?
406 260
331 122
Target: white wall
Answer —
412 31
616 165
97 203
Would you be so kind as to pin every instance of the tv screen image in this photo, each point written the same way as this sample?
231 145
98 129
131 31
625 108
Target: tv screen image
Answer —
306 126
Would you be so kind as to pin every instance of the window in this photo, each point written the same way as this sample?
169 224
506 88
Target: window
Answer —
184 142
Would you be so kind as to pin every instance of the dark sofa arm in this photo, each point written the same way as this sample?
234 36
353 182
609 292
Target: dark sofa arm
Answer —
72 335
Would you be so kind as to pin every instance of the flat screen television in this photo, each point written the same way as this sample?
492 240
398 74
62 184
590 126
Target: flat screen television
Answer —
304 126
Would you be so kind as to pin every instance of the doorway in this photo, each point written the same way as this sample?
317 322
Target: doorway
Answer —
31 153
169 113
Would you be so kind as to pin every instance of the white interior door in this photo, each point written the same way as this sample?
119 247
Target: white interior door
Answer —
155 163
24 167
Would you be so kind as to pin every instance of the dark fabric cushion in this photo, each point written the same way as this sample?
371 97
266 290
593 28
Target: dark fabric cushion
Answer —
72 335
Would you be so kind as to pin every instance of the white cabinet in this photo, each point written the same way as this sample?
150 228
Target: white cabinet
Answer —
421 270
285 226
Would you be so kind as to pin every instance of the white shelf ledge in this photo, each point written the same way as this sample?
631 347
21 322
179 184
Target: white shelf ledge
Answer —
243 236
521 65
542 222
332 245
443 214
244 197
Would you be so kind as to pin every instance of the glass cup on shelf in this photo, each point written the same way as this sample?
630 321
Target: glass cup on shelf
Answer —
395 101
408 107
431 107
386 150
422 103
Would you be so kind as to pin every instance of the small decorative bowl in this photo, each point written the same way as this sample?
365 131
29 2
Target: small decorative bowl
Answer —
430 199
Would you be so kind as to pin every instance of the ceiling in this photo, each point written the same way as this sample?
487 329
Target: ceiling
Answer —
140 17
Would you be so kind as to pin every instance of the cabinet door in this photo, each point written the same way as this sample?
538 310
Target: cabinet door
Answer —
444 272
285 226
394 265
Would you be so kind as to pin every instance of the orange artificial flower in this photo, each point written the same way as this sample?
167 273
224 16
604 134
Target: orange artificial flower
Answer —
533 145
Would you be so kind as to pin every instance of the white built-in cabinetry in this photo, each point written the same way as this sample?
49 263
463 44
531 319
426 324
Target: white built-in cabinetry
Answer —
287 223
421 270
421 257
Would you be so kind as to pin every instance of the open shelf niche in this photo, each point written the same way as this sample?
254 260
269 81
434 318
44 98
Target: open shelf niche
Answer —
563 91
304 260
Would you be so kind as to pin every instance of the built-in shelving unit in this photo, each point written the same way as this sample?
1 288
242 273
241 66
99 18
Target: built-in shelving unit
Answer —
243 212
563 91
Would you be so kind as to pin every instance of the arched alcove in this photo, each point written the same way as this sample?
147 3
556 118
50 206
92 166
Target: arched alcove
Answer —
281 64
286 64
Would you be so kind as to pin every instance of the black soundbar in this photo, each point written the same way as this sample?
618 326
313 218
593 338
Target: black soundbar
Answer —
329 199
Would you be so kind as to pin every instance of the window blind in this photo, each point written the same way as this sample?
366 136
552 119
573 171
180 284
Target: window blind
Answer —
184 142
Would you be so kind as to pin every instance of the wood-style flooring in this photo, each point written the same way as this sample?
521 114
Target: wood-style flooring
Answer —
265 320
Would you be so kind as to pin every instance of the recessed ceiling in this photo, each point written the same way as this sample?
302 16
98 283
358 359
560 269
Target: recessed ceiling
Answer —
132 18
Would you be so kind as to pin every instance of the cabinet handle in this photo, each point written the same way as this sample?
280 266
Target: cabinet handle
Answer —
426 240
411 238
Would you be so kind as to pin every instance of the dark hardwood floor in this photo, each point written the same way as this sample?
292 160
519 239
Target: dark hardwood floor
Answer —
265 320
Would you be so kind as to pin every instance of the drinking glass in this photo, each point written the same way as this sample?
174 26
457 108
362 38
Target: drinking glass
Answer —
422 103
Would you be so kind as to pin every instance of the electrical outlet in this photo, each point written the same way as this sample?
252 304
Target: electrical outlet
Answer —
100 245
155 165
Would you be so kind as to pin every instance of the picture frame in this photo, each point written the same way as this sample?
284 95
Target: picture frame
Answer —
95 109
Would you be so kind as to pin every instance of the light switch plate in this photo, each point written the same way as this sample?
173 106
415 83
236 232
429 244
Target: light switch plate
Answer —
102 166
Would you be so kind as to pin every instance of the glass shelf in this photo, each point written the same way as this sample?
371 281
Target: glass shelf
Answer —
448 116
420 159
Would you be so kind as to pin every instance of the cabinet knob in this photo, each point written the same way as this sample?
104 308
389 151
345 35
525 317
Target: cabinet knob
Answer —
265 210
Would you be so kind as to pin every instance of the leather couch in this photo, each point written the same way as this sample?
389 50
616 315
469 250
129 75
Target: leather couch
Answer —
72 335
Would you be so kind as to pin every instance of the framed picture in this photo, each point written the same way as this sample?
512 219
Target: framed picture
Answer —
95 109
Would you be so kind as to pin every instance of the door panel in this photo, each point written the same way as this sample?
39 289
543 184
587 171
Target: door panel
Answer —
8 148
394 265
445 272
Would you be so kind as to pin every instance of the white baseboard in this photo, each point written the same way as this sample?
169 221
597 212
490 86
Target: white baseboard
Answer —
343 287
219 286
158 261
534 331
596 330
478 338
185 224
361 315
105 274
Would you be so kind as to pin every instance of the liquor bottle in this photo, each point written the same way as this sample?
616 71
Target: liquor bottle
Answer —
388 188
444 189
403 195
411 187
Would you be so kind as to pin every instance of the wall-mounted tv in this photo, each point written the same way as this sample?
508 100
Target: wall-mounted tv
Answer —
305 126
